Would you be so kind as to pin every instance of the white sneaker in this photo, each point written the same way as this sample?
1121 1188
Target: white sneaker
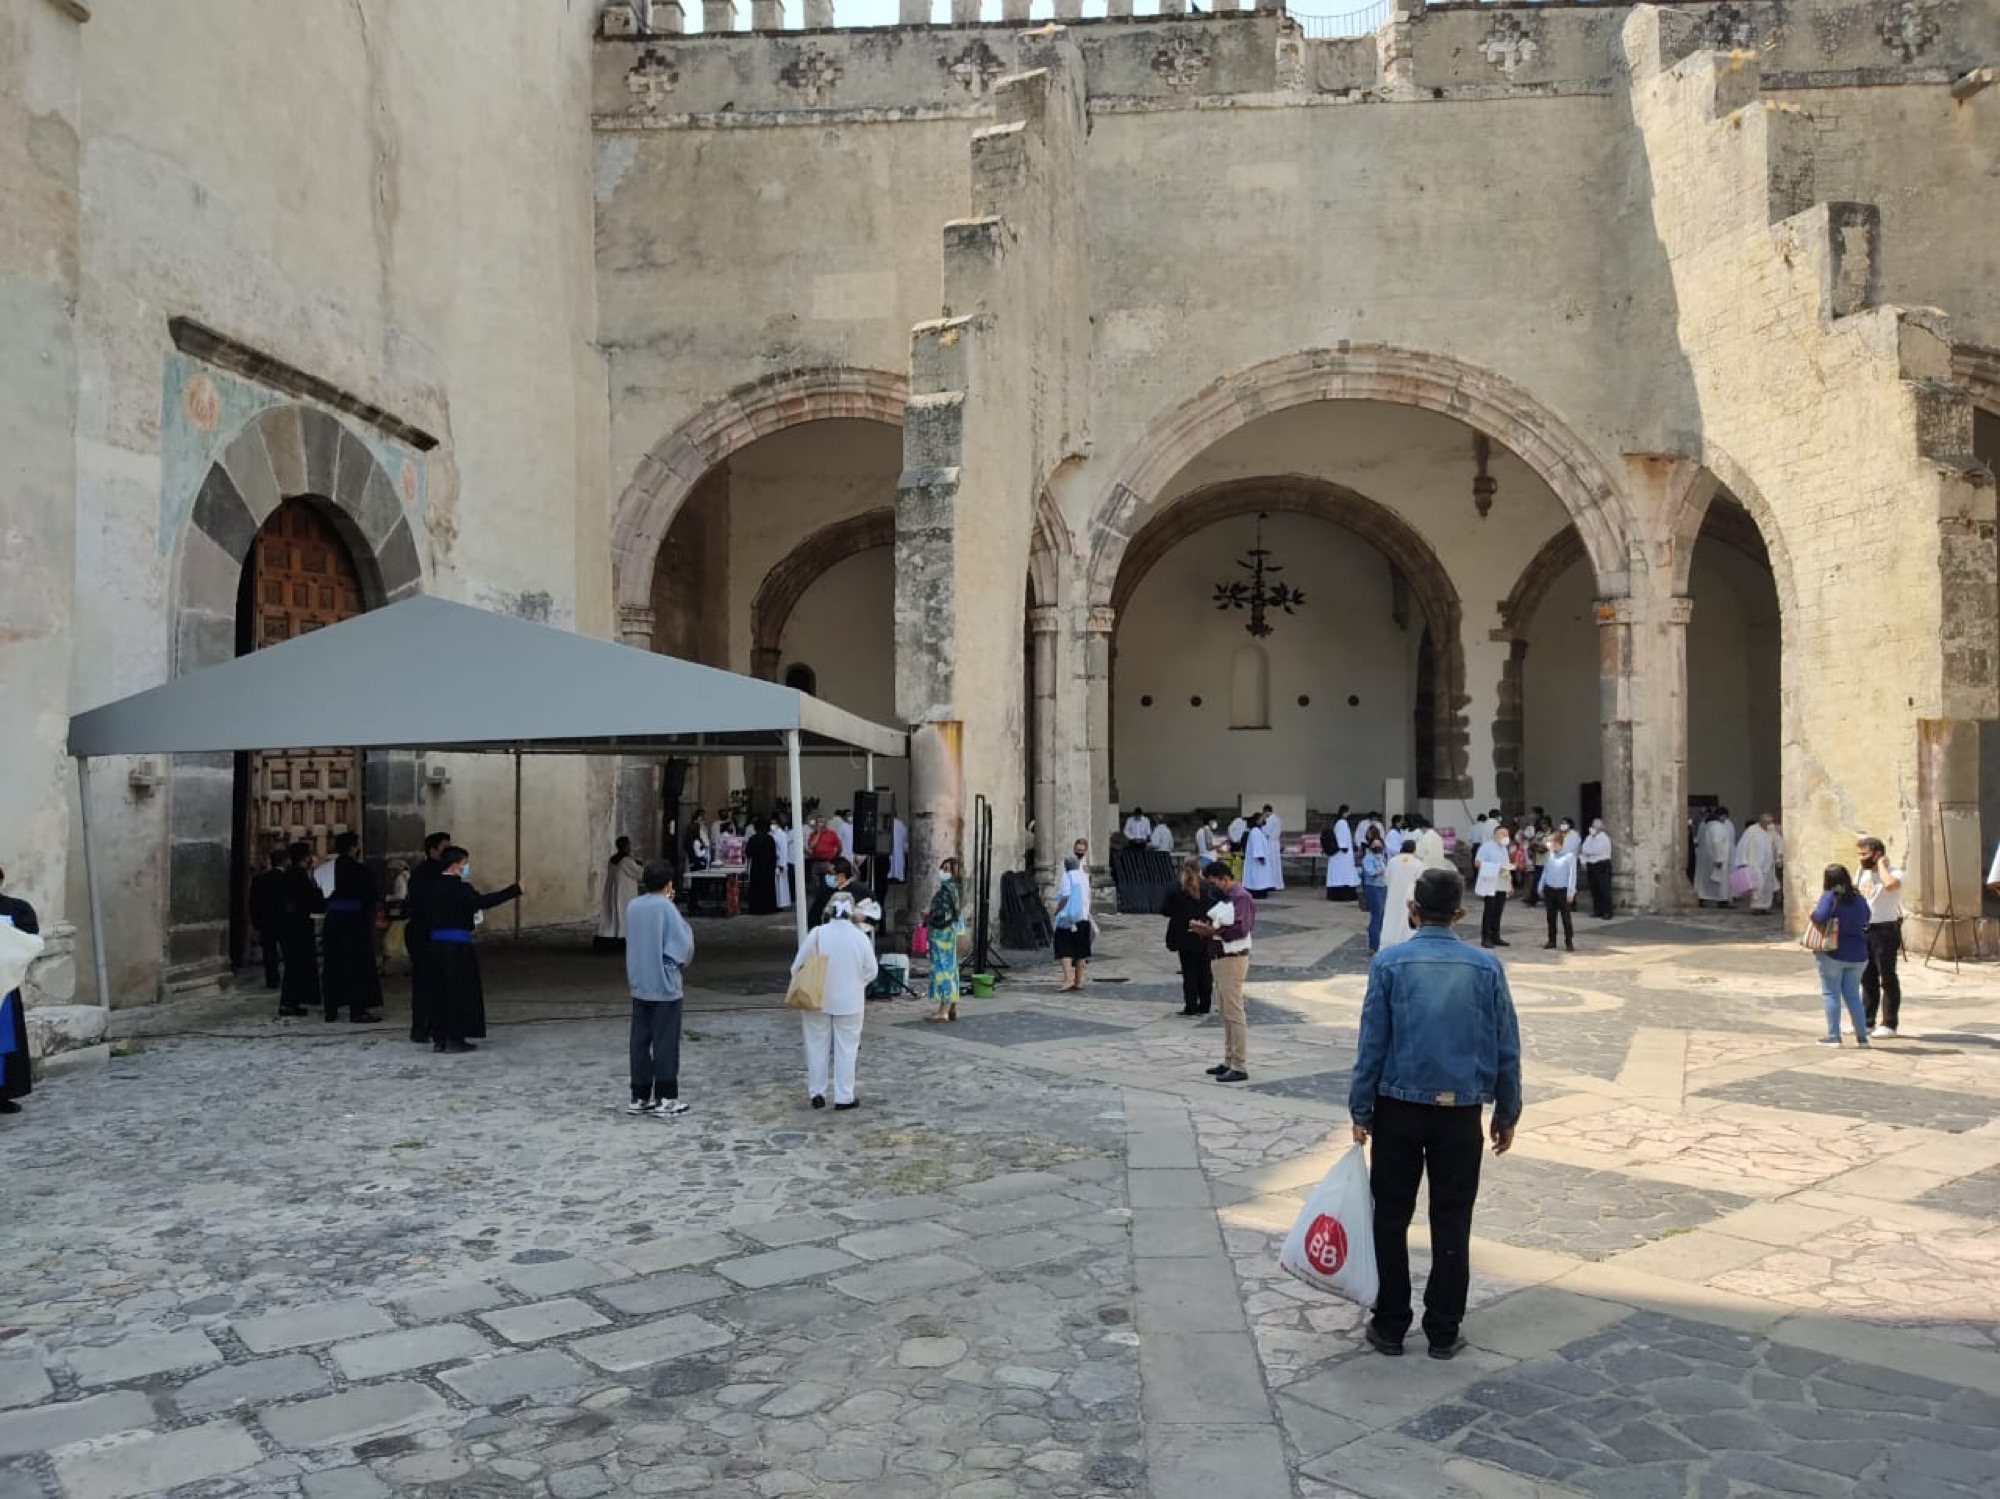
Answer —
667 1107
641 1106
1883 1030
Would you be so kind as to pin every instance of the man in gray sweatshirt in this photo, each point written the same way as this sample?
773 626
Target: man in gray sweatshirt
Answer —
658 946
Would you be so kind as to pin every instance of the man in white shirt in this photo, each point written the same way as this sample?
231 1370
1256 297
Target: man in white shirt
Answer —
1596 856
1162 839
1138 827
1559 879
1482 829
1238 826
1392 843
1881 884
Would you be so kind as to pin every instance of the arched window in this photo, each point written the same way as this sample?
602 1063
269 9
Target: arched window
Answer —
1250 689
802 678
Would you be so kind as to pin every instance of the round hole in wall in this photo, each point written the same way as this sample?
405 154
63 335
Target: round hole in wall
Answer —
1304 701
1194 702
1353 701
1146 701
802 678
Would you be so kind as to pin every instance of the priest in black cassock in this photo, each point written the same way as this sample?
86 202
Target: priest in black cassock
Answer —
267 911
416 936
16 1075
449 906
762 854
303 901
349 978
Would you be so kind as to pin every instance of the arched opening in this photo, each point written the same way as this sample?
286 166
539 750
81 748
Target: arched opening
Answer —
1733 656
1547 731
782 552
1336 681
299 577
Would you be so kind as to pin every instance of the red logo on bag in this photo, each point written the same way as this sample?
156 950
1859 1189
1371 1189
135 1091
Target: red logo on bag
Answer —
1326 1245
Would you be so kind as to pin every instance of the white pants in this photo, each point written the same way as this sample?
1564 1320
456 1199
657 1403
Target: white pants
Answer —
836 1038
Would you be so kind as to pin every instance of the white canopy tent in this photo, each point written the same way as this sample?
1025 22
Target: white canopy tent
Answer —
428 674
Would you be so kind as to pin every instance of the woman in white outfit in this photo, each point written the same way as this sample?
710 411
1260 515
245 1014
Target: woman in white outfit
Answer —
833 1032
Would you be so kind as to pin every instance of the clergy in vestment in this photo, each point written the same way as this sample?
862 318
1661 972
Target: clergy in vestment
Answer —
1401 890
296 940
621 887
1757 851
1343 879
416 936
761 851
1259 860
1713 849
1430 848
781 839
1238 826
349 978
1274 829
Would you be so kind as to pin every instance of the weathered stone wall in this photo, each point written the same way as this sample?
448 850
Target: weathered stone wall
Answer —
395 204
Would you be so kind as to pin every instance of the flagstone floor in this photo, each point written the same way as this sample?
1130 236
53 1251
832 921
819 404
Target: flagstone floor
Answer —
318 1261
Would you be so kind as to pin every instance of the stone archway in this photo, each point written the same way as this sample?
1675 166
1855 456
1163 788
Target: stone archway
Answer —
1372 522
785 584
676 464
283 453
1476 397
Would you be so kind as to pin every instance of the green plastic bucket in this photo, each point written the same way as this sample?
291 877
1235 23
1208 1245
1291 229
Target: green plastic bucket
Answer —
982 986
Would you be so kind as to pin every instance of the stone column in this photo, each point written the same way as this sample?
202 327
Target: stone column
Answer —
1642 677
636 787
937 803
1098 624
1946 861
1043 622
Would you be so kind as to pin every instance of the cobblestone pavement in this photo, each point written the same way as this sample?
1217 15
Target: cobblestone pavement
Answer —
316 1261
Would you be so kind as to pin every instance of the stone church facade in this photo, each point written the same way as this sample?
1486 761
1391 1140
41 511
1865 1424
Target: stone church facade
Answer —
1544 337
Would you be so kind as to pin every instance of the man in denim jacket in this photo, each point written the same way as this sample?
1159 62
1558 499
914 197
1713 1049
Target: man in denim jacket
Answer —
1438 1041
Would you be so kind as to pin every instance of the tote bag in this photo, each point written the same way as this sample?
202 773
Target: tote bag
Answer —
1820 938
1332 1245
807 991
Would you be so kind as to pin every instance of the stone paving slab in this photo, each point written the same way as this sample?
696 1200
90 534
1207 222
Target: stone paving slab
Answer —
1018 1028
23 1381
302 1327
342 1420
894 1279
514 1376
801 1262
899 1239
1975 1196
662 1293
539 1320
42 1427
412 1348
674 1254
153 1462
553 1277
256 1383
656 1342
1216 1462
455 1300
139 1354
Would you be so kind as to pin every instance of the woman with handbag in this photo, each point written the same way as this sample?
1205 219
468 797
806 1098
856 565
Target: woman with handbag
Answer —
941 936
830 979
1189 901
1072 936
1837 936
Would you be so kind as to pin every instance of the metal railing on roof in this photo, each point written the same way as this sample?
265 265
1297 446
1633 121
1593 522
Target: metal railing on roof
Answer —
1363 22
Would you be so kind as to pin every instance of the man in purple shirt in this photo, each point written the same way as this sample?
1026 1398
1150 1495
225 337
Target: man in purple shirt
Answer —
1231 968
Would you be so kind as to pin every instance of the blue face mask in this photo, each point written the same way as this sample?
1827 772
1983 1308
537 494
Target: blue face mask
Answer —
831 883
465 870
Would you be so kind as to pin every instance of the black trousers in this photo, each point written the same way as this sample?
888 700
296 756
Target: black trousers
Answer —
1489 918
1413 1141
1558 903
267 943
656 1049
1881 989
422 984
1599 875
1197 981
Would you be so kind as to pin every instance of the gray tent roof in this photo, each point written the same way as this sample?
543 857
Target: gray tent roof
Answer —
431 674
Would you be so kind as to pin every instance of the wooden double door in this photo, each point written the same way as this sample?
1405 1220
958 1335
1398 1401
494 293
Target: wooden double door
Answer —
299 577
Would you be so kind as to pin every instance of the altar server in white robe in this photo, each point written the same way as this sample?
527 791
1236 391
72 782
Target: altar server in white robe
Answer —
1204 841
1260 861
1429 847
782 836
1757 851
1713 850
1343 880
1275 831
1238 826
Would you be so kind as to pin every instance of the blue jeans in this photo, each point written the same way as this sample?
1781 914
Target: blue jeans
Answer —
1376 898
1840 983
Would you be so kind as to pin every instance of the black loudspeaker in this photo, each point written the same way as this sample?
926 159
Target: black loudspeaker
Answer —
867 823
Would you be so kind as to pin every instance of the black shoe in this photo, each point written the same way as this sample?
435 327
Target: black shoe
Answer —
1548 947
1232 1075
1216 1071
1501 942
291 1010
1379 1343
1569 947
819 1102
8 1106
1447 1350
459 1046
366 1017
420 1040
1203 1009
1187 1010
1485 944
853 1103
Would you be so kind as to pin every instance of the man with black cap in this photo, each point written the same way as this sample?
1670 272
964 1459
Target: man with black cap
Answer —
1439 1039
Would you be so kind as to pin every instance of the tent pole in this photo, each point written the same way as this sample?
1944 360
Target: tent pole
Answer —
90 885
871 882
798 841
517 842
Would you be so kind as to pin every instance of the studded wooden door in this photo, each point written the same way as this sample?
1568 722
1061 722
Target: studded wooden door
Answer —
302 580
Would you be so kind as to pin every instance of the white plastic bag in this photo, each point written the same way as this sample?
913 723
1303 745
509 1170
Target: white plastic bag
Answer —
1332 1245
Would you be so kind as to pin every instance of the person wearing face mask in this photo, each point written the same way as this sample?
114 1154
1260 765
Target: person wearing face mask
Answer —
1493 881
1072 925
451 910
837 880
1595 852
1879 883
942 922
1374 888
